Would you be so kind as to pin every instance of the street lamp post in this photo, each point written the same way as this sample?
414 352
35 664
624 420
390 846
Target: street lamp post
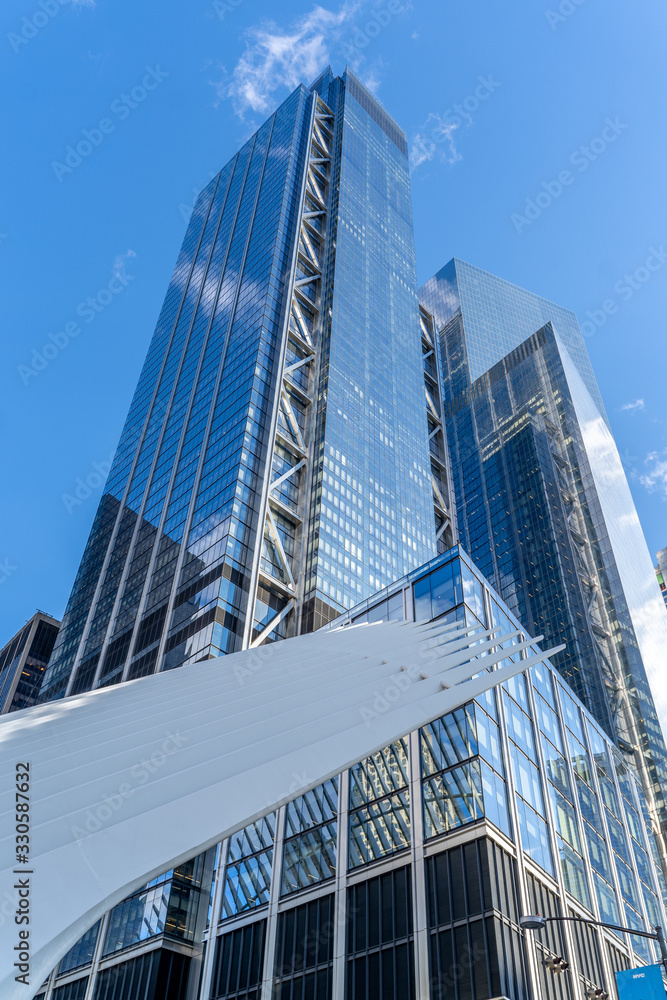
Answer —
536 922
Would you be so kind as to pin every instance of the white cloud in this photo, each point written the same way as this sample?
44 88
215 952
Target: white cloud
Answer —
118 266
275 57
638 404
435 139
655 480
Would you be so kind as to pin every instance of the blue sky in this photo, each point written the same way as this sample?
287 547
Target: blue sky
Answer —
549 173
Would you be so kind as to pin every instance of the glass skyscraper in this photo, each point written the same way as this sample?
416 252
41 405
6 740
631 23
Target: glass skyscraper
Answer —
284 463
543 504
23 661
283 456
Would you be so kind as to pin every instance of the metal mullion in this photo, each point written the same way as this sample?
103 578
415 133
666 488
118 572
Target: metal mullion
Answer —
419 906
271 935
97 957
522 880
216 909
620 899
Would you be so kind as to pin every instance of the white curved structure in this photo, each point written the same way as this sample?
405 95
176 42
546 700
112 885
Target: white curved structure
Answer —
130 781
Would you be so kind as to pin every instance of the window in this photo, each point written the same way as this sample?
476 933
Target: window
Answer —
248 875
379 805
534 836
380 960
239 957
304 950
438 592
310 838
83 951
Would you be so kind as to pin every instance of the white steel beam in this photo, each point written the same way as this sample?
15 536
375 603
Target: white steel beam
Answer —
130 781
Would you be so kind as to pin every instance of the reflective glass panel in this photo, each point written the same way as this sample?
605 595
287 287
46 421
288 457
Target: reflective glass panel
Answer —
309 858
566 820
547 720
534 835
608 794
452 799
495 799
617 838
448 740
379 829
526 779
571 714
556 767
247 884
488 740
588 803
579 758
627 883
384 772
472 592
640 945
606 900
83 951
316 806
518 726
597 850
574 875
516 686
253 838
642 864
541 678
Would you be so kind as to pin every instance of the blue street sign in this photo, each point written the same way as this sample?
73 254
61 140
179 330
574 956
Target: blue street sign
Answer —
644 983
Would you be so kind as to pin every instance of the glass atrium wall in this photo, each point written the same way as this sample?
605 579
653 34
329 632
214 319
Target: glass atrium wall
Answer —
411 868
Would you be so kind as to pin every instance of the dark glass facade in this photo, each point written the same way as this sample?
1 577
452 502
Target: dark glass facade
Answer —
542 501
23 661
275 466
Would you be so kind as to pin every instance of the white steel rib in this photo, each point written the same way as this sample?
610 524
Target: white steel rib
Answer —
130 781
